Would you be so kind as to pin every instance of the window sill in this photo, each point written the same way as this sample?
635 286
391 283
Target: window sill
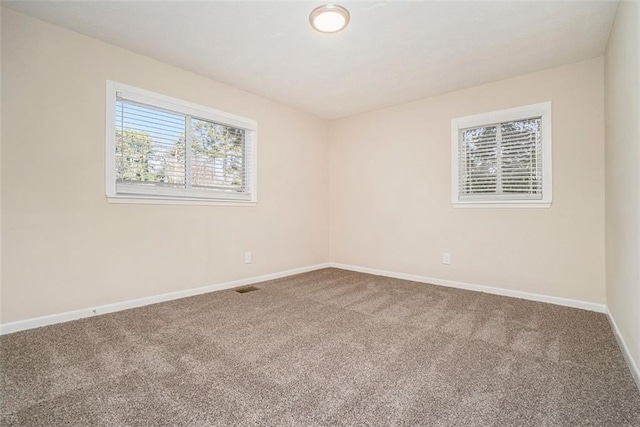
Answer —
501 205
151 200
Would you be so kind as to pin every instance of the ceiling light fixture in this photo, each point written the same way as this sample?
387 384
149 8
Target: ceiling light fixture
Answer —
329 18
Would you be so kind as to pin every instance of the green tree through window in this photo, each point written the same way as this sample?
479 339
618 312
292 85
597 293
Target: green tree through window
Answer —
136 158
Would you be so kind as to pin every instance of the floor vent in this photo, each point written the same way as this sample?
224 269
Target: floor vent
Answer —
246 289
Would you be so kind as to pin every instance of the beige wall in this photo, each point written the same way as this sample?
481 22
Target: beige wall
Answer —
622 169
391 191
0 172
66 248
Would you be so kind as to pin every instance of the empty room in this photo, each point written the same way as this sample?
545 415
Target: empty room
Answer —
296 213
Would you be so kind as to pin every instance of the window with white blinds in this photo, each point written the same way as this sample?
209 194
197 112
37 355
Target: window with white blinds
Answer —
503 159
164 149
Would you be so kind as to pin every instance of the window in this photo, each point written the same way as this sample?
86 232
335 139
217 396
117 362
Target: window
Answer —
502 159
164 150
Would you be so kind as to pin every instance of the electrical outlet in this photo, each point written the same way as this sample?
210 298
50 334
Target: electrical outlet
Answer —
247 257
446 258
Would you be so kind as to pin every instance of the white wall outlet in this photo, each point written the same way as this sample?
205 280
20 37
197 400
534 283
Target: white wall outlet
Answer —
247 257
446 258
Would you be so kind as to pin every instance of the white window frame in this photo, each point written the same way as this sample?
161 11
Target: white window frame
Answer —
542 110
144 194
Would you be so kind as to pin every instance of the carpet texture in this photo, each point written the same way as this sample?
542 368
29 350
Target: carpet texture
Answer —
329 347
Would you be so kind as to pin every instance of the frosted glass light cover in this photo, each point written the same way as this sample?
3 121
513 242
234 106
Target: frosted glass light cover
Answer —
329 18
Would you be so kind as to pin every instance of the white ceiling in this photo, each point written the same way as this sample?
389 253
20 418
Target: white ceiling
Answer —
392 52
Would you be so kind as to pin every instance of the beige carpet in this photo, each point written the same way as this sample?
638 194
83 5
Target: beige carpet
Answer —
324 348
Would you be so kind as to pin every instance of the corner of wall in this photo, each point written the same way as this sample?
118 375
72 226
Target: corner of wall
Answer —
622 166
1 9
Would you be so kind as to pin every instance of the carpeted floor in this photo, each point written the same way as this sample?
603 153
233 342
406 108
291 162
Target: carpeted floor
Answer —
329 347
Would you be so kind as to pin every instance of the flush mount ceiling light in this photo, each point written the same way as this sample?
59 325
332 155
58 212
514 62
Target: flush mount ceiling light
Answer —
329 18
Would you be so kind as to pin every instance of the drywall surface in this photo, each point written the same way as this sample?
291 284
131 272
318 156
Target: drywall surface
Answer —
66 248
0 171
622 172
391 191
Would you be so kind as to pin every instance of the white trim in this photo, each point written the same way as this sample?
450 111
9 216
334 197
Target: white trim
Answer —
159 195
543 110
21 325
140 190
180 106
500 205
110 140
567 302
635 372
151 200
124 305
506 115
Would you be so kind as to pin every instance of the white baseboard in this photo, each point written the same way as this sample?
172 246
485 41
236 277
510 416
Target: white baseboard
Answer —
585 305
635 372
36 322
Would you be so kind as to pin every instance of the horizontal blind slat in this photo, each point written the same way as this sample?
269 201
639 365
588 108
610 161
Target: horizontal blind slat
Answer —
520 155
150 150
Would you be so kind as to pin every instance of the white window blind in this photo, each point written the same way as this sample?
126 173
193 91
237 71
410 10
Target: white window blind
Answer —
150 145
503 161
163 150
